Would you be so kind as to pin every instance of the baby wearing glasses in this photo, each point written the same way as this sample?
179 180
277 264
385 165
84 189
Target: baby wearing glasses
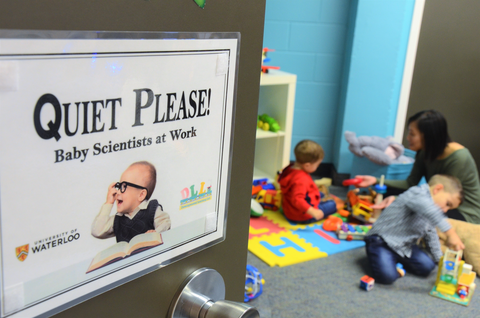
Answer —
135 214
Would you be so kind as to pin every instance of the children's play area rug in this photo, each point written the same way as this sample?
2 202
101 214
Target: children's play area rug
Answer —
276 241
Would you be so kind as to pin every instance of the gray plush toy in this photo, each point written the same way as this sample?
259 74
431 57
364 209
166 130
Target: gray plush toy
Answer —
382 151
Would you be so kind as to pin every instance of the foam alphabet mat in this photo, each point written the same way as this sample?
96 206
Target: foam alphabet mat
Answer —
279 242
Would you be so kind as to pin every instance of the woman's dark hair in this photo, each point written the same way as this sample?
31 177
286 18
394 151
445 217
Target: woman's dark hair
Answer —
433 126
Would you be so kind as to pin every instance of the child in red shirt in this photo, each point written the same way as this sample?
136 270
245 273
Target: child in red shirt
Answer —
300 195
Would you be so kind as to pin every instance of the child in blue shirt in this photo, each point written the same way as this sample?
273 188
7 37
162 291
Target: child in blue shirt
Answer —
413 215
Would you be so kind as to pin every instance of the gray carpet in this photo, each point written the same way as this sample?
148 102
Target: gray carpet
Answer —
329 287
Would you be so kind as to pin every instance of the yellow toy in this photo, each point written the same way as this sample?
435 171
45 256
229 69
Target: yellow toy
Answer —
360 205
455 279
362 211
270 199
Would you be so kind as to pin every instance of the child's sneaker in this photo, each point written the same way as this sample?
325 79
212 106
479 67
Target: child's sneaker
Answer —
400 270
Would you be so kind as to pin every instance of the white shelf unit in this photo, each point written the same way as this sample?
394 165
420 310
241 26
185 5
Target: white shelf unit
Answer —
277 99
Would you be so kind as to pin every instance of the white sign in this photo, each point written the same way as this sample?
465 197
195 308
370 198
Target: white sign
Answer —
84 124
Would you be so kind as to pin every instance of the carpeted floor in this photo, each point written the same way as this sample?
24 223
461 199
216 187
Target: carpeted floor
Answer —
329 287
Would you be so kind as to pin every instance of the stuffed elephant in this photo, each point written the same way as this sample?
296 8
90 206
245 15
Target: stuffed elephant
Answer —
382 151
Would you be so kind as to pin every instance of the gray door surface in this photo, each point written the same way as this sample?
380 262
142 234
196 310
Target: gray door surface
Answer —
447 68
151 295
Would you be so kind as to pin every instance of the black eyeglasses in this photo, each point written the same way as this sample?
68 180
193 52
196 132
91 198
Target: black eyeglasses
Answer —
122 186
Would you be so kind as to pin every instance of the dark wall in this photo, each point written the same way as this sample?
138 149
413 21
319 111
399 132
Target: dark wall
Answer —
150 295
447 68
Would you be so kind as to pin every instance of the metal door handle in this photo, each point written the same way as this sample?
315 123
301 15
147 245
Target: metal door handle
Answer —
202 296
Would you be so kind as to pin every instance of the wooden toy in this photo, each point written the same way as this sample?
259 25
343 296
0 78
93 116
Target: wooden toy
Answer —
381 189
348 231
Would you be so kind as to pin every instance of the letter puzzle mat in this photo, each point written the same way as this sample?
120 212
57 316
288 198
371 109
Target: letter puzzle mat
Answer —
278 242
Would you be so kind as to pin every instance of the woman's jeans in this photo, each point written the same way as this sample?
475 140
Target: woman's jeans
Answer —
383 261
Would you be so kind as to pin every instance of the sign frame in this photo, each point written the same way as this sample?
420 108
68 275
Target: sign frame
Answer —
211 58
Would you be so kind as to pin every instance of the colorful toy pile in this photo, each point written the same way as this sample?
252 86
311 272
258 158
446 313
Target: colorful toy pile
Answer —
359 205
267 195
357 210
279 242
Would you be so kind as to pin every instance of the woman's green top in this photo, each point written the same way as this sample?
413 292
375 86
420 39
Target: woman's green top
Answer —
459 164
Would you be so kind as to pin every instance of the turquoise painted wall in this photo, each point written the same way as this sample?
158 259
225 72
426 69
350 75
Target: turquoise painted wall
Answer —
348 56
308 37
371 89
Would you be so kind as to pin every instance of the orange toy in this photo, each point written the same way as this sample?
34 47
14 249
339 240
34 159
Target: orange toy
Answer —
332 223
352 197
343 213
256 189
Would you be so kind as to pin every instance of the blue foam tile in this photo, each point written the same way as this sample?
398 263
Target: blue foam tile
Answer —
309 235
277 249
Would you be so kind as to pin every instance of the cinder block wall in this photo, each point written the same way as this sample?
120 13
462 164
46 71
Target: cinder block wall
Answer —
309 38
349 57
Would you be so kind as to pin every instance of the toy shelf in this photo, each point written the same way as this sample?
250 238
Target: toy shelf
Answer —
277 99
268 134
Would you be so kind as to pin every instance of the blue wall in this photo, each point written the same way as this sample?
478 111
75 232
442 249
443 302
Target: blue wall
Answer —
308 37
371 89
348 56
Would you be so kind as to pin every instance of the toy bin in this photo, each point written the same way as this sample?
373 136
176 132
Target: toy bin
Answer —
397 171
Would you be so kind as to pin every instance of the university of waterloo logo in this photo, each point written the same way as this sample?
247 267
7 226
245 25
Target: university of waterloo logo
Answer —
191 197
22 252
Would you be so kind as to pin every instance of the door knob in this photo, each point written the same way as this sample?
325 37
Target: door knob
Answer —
202 296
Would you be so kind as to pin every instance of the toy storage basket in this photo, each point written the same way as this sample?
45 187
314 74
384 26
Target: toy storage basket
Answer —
397 171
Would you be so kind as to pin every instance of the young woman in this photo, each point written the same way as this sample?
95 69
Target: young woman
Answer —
437 154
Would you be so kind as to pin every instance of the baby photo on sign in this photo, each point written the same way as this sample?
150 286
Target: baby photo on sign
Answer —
138 222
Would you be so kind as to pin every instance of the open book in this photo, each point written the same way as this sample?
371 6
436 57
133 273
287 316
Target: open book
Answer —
121 250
